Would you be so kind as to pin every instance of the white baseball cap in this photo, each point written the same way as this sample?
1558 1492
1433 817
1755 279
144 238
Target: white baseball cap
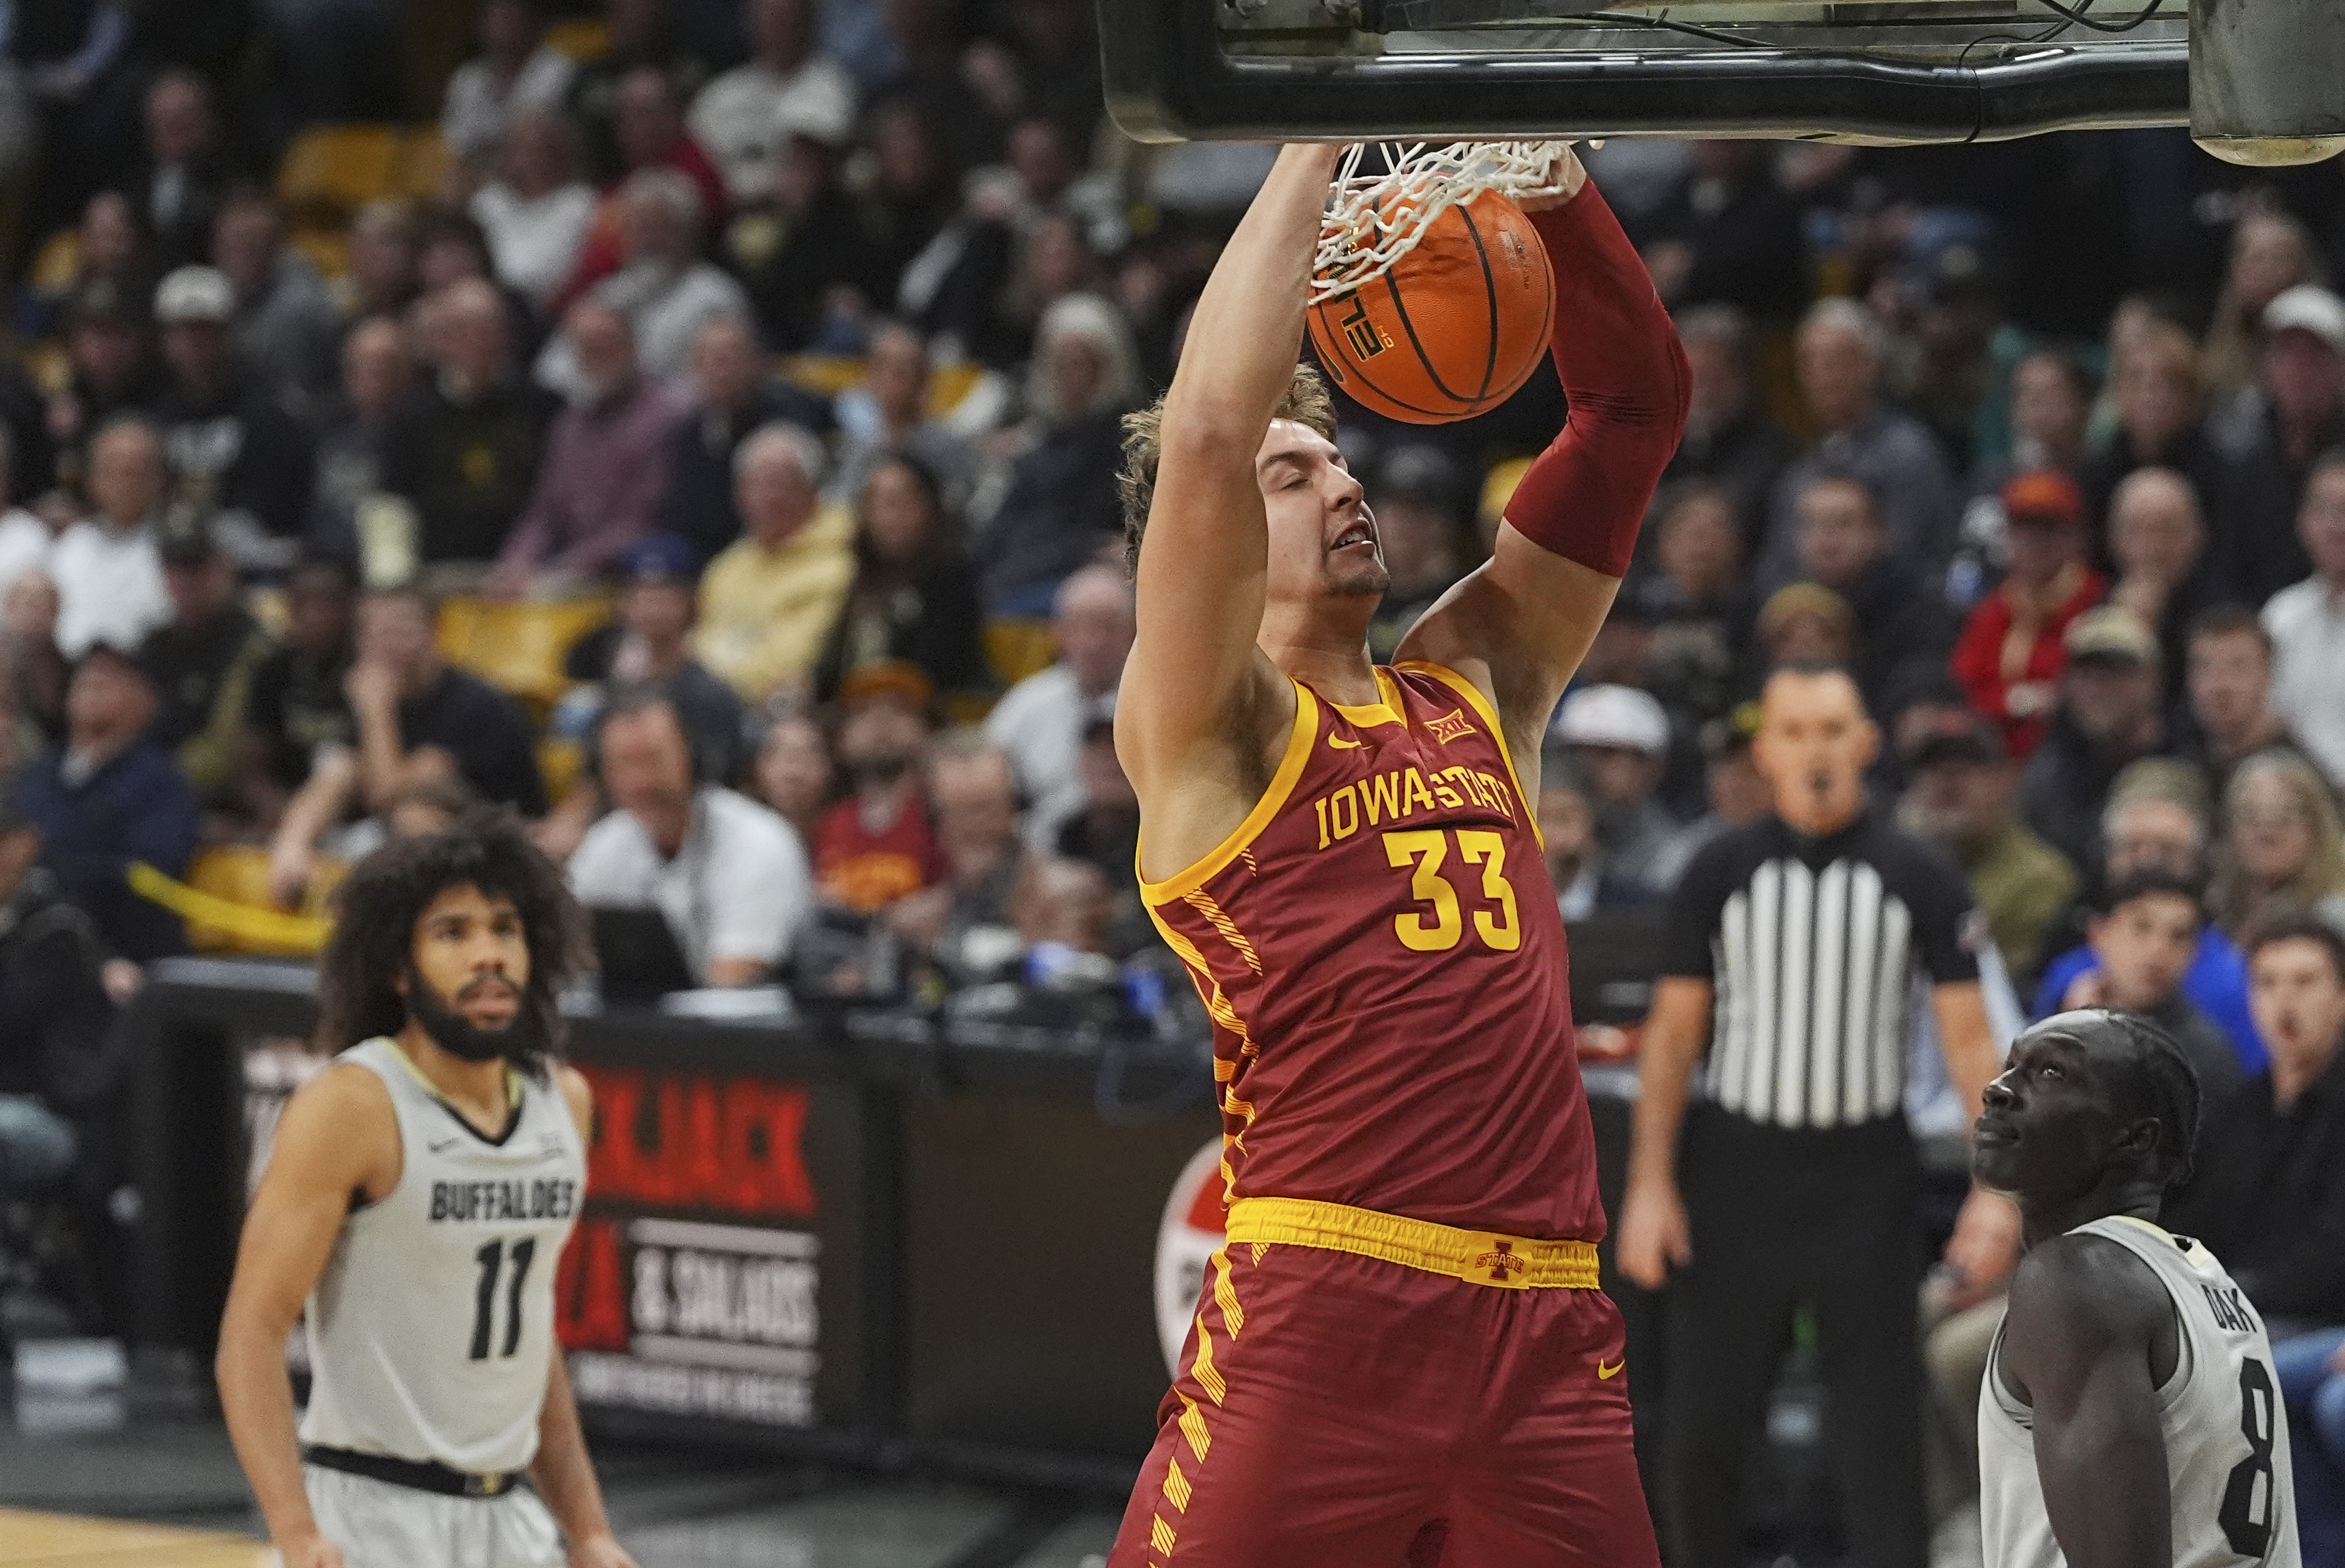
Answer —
195 294
2307 307
1613 716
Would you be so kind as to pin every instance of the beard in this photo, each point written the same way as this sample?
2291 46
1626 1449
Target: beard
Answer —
1359 579
457 1035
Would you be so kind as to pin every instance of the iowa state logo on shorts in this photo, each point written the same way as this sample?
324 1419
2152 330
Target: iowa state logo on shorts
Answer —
1502 1263
1361 333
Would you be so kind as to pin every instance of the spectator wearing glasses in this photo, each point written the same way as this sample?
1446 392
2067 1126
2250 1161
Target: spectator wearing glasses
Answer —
2285 850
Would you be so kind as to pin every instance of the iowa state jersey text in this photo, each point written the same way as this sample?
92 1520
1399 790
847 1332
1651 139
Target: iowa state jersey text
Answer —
1379 947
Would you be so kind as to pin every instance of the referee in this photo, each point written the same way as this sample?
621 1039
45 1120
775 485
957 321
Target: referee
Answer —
1792 950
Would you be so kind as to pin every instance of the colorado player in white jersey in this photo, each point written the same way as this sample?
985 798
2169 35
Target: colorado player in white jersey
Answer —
2129 1417
416 1201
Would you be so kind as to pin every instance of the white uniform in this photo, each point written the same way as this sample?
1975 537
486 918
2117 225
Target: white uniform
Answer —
431 1329
2226 1436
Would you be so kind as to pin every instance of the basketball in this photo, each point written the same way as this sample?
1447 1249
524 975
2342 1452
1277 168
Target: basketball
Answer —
1453 327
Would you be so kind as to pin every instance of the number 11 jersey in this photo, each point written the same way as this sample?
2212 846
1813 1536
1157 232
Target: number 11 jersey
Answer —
431 1329
2227 1463
1379 946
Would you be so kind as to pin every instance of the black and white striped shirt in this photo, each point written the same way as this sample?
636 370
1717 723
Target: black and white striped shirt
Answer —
1811 946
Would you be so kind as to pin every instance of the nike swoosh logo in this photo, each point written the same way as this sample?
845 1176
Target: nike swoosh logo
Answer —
1341 744
444 1145
1611 1371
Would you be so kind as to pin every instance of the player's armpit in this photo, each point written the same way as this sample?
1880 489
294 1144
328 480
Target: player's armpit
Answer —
2083 1339
1517 626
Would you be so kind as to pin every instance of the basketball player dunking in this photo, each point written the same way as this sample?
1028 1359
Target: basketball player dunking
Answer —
417 1196
1400 1355
2129 1416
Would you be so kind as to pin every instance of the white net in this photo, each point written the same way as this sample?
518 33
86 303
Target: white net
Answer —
1385 197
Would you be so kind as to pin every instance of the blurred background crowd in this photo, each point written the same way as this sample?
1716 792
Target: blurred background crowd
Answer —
693 423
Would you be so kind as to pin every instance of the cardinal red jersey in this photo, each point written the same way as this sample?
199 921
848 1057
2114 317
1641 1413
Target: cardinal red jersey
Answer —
1380 949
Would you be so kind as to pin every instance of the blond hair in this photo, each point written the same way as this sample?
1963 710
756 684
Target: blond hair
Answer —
1307 401
2323 874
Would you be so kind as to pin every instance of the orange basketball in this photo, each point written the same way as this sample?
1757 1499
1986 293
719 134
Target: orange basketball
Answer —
1453 327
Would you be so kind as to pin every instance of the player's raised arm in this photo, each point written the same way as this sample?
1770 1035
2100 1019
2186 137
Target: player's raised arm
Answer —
1520 624
1203 555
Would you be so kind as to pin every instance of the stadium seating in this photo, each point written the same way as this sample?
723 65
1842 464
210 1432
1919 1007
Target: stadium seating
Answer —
518 645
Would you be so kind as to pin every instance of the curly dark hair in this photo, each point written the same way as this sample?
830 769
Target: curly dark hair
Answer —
376 911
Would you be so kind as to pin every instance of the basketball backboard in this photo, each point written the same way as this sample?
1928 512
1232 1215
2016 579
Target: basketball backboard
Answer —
2257 80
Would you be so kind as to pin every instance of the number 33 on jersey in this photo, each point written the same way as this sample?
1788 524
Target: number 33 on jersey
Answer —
1377 934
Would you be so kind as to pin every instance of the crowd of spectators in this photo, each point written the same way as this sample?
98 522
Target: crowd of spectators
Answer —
799 333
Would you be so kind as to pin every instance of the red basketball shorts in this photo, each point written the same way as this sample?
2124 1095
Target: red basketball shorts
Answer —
1344 1410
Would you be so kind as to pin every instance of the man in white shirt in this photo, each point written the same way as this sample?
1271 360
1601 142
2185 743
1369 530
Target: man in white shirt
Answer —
667 292
109 578
515 71
2307 623
729 876
1039 722
742 117
25 541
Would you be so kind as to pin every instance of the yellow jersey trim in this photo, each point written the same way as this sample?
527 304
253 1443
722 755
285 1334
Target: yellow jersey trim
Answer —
1387 710
1476 1257
1282 785
1481 704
